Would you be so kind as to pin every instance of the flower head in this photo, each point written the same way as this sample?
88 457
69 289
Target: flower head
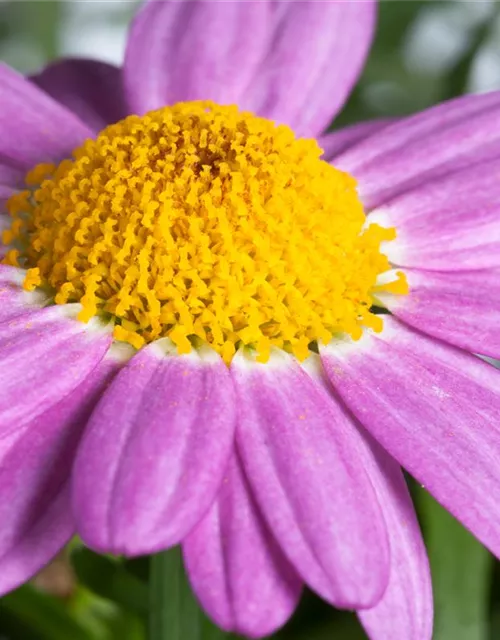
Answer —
218 332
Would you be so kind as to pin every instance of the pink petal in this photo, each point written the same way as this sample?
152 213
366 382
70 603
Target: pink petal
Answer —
33 127
462 308
5 222
181 51
294 62
448 224
155 452
35 467
435 409
235 566
426 146
315 57
44 355
11 177
406 609
338 141
14 300
90 89
304 463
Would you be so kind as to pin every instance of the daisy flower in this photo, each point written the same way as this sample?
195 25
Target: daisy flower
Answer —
223 329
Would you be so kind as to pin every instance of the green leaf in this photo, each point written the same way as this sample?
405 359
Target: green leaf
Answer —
123 625
45 615
174 612
109 579
103 619
461 574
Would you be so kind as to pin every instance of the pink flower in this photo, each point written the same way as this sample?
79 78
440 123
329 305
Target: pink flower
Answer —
278 470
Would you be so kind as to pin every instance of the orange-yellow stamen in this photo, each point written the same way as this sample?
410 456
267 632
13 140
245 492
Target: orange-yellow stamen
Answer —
201 222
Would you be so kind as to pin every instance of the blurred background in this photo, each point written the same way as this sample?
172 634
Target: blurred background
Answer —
424 52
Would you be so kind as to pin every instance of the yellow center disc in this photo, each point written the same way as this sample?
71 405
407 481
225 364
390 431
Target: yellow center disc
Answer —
201 222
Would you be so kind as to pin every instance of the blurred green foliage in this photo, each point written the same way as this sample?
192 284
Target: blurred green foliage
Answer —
108 598
462 573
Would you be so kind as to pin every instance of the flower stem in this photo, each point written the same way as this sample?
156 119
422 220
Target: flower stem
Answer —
165 596
174 613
